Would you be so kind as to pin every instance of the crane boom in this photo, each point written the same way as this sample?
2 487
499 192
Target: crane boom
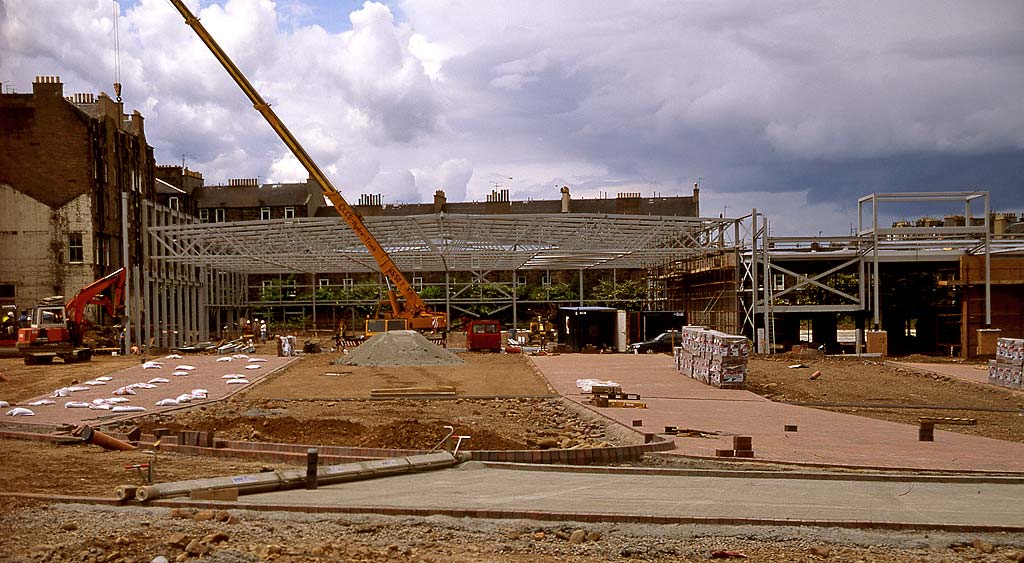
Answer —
413 305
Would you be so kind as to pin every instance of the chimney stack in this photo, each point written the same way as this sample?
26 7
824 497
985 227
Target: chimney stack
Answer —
48 85
440 200
565 199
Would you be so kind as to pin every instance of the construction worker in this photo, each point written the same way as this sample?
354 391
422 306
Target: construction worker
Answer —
24 321
9 323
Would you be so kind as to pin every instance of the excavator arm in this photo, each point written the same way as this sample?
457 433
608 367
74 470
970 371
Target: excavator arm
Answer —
413 305
92 294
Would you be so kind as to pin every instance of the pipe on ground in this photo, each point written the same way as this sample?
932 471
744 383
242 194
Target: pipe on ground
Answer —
90 435
125 492
296 478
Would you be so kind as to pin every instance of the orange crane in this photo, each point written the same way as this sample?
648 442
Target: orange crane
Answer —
411 309
58 329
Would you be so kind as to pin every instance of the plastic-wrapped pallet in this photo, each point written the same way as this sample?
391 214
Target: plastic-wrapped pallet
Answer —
713 357
1007 369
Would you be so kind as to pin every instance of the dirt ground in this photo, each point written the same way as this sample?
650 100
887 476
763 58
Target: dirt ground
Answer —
303 404
868 383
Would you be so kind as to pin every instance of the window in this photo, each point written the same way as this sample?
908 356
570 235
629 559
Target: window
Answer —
778 282
204 215
76 248
521 280
290 289
289 212
266 283
7 291
417 283
348 282
264 214
218 215
174 203
102 246
324 282
545 279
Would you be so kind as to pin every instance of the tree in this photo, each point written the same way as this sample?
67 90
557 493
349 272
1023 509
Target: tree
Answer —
628 294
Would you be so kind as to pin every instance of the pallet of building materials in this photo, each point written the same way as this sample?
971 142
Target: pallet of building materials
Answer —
713 357
627 404
1007 370
689 432
604 402
619 396
587 386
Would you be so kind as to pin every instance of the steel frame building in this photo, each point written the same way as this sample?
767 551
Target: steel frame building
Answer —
219 257
198 271
764 256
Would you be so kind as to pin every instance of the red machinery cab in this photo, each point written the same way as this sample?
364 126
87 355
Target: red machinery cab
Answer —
58 329
483 335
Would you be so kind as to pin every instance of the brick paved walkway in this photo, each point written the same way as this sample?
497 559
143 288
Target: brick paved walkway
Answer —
823 437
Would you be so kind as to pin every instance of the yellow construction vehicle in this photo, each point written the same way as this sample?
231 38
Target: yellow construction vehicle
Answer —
542 331
406 304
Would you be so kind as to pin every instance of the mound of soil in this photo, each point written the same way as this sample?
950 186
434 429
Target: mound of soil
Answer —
399 348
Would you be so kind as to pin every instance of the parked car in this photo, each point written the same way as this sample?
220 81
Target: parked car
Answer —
661 343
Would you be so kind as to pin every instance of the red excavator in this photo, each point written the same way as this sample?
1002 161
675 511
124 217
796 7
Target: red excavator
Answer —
58 330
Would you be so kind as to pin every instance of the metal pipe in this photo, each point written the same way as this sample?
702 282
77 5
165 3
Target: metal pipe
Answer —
753 281
126 323
988 265
874 250
90 435
581 287
515 296
125 492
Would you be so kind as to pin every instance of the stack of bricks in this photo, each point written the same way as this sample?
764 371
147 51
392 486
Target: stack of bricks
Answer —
1006 370
742 446
713 357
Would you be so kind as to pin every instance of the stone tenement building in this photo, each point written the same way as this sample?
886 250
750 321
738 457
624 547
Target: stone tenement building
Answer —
69 166
498 202
175 186
248 200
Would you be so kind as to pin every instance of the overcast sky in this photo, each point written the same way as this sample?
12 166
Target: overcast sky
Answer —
795 108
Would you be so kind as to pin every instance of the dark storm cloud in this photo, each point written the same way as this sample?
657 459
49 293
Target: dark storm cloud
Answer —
820 102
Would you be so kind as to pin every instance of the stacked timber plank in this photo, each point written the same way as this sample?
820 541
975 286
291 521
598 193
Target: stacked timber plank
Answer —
1006 370
399 392
713 357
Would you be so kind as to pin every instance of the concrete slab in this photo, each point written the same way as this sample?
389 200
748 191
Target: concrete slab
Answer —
822 438
207 375
475 487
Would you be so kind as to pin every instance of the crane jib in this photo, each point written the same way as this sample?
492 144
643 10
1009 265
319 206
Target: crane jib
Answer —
414 305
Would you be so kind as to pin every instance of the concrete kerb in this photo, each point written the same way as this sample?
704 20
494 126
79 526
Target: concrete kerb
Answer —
1012 479
272 451
536 515
811 464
